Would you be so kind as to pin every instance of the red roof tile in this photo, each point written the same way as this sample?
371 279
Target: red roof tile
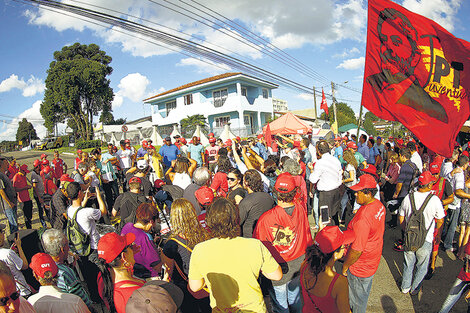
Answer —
199 82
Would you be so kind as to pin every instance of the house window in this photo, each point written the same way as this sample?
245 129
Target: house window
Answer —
221 121
246 119
170 106
265 93
244 93
219 97
188 99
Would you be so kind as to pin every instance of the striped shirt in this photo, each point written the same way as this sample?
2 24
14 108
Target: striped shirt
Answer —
68 282
327 173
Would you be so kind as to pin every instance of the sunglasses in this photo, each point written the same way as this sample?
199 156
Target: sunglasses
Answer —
14 296
231 179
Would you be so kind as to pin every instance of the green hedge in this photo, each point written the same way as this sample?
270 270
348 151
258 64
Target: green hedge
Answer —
84 144
65 140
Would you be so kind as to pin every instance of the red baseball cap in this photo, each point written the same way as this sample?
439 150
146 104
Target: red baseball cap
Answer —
345 138
158 183
228 142
352 145
285 183
183 141
127 141
145 143
434 168
296 144
135 179
36 163
79 151
370 169
111 245
330 238
150 147
47 170
212 139
211 135
425 178
337 138
260 136
204 195
66 177
238 138
42 263
45 162
365 181
24 168
43 156
465 153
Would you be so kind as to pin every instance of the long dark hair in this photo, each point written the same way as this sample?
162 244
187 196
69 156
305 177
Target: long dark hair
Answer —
317 260
108 290
238 174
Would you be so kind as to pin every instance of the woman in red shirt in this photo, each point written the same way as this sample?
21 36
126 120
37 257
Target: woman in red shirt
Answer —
219 182
116 263
324 290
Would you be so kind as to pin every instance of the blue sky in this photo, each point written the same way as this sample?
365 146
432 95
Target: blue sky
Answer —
327 36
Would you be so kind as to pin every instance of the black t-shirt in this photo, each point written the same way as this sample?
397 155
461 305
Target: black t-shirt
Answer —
251 208
127 203
447 190
59 205
237 192
188 194
147 188
406 176
180 255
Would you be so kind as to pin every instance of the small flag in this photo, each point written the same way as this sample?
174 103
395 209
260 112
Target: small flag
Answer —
323 105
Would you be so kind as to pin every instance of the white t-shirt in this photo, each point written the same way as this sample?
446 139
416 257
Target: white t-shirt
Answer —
87 218
125 158
349 168
14 262
95 182
458 182
433 210
416 159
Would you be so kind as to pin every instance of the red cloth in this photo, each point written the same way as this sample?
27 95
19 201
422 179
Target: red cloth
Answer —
58 167
420 78
323 105
288 235
368 225
212 153
19 181
49 187
312 303
268 136
77 161
202 219
121 294
288 124
220 184
301 194
12 170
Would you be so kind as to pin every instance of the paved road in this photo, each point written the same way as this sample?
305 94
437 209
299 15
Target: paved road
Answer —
385 295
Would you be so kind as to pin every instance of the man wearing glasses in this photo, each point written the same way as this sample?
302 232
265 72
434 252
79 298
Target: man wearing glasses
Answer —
10 299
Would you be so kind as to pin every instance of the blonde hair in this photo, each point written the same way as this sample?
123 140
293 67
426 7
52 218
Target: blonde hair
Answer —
394 157
184 222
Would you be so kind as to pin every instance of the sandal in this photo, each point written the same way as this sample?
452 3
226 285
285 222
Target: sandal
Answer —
398 247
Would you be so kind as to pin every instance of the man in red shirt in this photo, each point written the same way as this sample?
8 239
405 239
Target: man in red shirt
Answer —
211 152
78 159
363 257
59 166
20 183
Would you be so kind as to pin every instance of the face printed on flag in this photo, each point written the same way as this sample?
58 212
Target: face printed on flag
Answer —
411 75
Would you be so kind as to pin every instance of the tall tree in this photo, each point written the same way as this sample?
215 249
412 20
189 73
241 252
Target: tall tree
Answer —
345 114
26 131
77 87
189 124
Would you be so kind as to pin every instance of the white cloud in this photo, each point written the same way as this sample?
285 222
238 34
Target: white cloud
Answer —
441 11
305 96
205 67
30 88
347 53
352 64
133 87
33 115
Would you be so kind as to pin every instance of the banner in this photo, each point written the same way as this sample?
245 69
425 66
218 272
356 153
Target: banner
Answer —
416 73
324 105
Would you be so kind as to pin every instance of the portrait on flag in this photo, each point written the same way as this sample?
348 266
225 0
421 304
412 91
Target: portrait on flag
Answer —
415 75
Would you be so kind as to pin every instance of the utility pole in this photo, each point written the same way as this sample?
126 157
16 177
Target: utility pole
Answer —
334 104
359 121
314 104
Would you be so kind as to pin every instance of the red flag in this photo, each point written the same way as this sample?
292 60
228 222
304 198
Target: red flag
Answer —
323 105
416 73
267 136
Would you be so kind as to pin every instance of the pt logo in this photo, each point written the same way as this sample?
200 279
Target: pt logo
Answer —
283 236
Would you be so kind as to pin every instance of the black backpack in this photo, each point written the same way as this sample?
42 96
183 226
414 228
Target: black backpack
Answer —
415 230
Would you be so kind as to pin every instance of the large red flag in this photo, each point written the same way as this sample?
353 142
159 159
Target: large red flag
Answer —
323 105
416 73
268 136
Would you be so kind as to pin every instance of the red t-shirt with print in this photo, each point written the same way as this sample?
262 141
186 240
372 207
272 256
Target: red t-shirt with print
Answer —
19 181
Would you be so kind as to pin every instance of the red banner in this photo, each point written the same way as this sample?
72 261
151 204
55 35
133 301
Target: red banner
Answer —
324 105
416 73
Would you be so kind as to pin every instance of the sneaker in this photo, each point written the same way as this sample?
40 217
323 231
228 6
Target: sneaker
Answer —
406 290
416 291
450 254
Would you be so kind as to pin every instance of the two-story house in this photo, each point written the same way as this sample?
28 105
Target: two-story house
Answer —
241 100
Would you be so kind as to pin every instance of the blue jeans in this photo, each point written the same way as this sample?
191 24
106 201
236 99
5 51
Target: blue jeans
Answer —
359 290
420 258
459 288
12 218
453 219
287 296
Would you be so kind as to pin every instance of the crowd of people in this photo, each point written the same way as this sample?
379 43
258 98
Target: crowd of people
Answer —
190 228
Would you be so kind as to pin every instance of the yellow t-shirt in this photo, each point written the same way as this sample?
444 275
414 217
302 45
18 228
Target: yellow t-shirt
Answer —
230 268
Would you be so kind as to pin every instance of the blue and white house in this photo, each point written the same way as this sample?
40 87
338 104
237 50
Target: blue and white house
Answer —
243 101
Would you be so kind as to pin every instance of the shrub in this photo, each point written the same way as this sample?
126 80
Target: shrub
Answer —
84 144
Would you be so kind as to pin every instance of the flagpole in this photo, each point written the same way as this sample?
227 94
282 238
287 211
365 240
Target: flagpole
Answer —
359 120
334 104
314 104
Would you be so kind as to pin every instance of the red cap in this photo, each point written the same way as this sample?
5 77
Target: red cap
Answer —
47 170
370 169
365 181
42 263
111 245
390 137
465 153
43 156
330 238
204 195
36 163
127 141
145 143
79 151
285 183
338 138
135 179
260 136
45 162
434 168
150 147
238 138
66 177
345 138
24 168
228 142
425 178
211 135
296 144
183 141
212 139
158 183
400 142
352 145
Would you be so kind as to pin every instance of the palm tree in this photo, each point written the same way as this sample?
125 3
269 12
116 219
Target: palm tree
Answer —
188 125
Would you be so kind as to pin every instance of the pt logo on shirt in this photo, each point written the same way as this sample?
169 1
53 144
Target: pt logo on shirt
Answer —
283 236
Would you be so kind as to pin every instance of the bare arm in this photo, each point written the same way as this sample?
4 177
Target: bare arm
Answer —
21 253
286 139
276 275
196 284
192 167
4 196
448 200
351 258
462 194
101 203
397 190
342 295
246 159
